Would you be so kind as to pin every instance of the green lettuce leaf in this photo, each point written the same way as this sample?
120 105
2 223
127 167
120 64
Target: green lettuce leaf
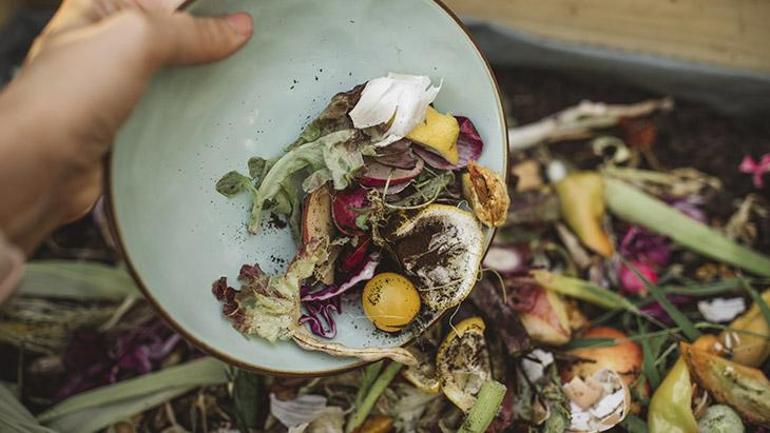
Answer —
313 156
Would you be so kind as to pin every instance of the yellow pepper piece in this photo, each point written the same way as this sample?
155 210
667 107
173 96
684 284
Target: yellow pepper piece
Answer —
582 207
751 347
670 409
439 132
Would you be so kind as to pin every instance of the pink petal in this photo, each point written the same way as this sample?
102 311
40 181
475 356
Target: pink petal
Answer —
748 165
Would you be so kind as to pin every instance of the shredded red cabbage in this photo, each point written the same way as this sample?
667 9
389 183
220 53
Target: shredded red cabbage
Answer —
320 313
328 292
469 147
321 305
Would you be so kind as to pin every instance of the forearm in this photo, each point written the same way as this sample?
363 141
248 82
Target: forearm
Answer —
34 169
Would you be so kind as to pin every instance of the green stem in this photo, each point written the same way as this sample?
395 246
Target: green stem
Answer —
485 410
370 375
376 390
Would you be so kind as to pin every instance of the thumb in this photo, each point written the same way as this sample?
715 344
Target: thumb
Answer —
181 39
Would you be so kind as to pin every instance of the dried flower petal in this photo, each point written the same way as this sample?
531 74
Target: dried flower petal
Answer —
399 99
757 169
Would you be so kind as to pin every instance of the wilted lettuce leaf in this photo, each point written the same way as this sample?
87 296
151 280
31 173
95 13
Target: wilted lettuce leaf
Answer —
234 183
269 307
333 152
333 118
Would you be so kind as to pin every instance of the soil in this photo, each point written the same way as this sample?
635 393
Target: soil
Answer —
691 135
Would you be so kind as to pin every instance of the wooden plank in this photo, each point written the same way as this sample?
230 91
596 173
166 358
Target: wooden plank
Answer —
733 33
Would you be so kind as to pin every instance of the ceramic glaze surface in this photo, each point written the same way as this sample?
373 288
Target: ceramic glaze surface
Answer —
195 124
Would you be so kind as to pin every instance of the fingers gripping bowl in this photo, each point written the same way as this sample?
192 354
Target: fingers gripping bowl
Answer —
178 233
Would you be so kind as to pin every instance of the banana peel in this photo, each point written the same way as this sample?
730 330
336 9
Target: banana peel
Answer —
745 389
581 196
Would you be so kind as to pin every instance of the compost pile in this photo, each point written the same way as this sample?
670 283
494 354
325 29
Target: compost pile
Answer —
627 291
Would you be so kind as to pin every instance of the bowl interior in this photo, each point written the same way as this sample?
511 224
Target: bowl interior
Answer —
195 124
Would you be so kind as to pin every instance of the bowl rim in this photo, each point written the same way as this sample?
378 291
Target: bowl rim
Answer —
111 215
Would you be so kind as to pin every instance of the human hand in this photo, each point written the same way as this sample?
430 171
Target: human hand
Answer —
84 75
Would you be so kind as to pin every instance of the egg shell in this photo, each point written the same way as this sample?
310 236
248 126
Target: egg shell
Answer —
625 357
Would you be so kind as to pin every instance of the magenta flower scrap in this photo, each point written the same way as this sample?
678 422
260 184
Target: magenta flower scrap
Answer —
757 169
646 251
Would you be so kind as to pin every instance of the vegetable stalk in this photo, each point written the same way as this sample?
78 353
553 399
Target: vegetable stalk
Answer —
376 390
485 410
637 207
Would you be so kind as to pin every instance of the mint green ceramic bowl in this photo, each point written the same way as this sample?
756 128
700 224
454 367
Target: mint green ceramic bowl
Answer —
178 234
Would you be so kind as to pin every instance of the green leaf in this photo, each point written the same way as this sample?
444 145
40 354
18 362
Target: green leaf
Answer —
257 167
76 280
637 207
251 400
579 343
583 290
342 162
96 418
233 183
205 371
15 418
308 155
485 410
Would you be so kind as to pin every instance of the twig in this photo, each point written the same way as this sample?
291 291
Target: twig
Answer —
580 120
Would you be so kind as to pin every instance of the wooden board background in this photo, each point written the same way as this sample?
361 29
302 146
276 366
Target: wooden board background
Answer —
733 33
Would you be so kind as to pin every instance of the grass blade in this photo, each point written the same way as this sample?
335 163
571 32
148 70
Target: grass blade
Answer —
579 343
707 289
648 359
637 207
583 290
206 371
687 327
76 280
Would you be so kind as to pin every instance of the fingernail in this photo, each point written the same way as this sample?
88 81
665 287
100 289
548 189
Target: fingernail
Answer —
241 23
